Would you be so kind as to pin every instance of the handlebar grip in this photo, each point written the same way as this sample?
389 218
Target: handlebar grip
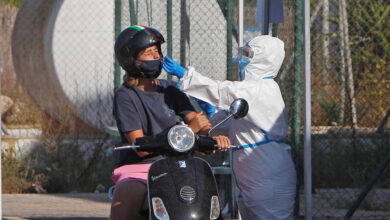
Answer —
206 144
151 143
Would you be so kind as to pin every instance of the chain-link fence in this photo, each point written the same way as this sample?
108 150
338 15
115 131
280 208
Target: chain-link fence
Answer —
65 71
350 98
197 30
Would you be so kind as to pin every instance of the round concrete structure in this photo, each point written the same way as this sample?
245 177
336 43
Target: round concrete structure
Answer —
63 55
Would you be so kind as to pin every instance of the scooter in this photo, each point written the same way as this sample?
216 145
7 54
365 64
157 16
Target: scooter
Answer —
182 186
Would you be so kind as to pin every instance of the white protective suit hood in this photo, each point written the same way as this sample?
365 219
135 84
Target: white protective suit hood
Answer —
267 58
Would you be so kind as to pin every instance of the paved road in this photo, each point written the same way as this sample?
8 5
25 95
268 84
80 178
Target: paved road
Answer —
88 206
80 206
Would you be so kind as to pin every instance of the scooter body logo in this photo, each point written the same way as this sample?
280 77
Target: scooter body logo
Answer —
157 177
182 164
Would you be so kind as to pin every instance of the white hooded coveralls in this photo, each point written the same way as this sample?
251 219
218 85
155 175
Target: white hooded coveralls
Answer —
262 165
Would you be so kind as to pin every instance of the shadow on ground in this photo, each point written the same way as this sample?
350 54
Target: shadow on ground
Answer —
51 218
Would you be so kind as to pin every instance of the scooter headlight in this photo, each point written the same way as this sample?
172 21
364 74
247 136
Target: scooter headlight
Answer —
181 138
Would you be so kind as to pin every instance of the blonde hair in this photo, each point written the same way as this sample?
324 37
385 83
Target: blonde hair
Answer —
130 81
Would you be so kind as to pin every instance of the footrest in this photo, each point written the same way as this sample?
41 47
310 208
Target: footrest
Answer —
221 170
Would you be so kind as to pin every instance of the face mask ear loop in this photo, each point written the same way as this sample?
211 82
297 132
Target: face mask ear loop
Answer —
142 74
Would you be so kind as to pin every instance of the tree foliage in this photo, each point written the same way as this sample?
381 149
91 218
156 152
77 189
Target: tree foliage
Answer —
369 42
370 39
15 3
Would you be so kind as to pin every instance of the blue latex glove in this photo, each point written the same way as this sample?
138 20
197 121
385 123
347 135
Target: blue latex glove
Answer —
173 68
207 107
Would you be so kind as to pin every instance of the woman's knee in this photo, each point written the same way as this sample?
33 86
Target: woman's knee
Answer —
129 190
128 198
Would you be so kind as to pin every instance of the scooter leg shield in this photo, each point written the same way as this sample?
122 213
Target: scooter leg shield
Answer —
184 185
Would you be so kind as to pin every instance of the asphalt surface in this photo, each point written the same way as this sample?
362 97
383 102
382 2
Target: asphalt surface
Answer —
88 206
83 206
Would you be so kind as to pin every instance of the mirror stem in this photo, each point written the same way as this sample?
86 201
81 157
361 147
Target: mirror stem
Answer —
219 123
126 147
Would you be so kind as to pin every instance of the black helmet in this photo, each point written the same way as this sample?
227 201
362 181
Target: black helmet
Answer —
130 42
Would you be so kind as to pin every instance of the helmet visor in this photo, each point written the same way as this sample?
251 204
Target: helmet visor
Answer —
245 54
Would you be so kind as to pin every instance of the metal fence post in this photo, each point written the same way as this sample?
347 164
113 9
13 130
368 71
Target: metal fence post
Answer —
169 31
229 34
133 17
241 23
297 72
307 129
265 25
297 95
275 30
368 187
117 68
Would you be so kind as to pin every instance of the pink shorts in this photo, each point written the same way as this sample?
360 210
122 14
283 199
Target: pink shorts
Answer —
137 172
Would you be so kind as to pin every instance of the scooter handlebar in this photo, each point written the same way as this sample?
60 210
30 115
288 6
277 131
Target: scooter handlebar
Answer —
206 144
148 144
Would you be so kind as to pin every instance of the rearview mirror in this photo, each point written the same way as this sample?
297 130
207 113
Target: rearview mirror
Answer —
239 108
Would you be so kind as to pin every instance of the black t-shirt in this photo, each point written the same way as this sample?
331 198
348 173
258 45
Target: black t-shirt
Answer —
152 112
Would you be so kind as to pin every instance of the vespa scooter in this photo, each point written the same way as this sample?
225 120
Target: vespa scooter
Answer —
182 186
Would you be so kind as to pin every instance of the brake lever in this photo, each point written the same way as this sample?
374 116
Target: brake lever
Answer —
126 147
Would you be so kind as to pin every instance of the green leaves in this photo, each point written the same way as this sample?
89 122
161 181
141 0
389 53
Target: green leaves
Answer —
15 3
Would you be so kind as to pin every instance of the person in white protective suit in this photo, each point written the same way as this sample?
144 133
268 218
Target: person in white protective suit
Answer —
261 162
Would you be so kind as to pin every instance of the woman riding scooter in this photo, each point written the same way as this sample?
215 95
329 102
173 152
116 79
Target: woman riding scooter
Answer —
144 106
